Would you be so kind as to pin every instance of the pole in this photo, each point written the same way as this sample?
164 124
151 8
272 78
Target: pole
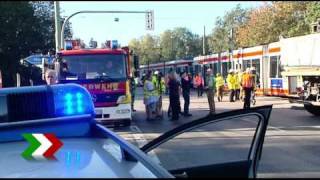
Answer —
67 19
57 24
204 39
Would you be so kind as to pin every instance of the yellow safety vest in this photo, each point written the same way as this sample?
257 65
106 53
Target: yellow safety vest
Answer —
237 82
219 81
146 92
231 80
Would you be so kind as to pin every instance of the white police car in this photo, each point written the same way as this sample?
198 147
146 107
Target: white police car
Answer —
90 149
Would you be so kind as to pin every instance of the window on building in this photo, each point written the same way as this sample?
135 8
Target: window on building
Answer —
215 68
256 65
273 66
224 69
279 67
246 64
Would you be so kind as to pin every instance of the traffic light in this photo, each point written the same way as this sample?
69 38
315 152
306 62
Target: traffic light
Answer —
150 20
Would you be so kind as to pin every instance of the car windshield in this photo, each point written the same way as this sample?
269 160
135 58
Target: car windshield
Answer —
93 66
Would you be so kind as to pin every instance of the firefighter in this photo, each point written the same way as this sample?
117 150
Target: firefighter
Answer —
149 98
241 93
219 86
237 85
247 83
231 85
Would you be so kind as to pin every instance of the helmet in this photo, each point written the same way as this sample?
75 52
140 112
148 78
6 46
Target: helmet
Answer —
248 70
218 74
231 71
156 72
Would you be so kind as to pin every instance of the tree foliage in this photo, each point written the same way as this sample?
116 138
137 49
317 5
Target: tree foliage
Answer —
26 27
222 38
270 21
170 45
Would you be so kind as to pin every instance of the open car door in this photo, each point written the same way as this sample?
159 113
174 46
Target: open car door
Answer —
227 156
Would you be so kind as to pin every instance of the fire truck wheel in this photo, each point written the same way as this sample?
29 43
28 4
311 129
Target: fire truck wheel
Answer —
315 110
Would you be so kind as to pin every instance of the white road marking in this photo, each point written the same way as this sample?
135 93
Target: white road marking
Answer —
139 138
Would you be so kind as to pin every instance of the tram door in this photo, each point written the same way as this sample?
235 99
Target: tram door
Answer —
292 84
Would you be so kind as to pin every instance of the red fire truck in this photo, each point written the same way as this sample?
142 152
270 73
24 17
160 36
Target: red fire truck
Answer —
105 73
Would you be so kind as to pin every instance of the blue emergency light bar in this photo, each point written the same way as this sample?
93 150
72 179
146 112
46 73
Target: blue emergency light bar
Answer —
114 44
41 102
68 45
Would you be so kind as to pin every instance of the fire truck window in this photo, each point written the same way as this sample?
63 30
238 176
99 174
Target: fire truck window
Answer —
112 66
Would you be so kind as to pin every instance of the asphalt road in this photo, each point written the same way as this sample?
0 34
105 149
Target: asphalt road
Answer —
291 145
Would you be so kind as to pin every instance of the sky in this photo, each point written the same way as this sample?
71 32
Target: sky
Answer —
193 15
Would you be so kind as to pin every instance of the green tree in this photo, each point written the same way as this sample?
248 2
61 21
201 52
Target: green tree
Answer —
26 27
44 11
268 22
223 35
312 12
19 35
166 44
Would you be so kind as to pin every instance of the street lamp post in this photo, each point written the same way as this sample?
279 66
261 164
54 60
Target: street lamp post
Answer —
57 24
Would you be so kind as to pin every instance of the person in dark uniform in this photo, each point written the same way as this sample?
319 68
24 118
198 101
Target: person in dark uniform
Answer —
186 85
174 98
133 91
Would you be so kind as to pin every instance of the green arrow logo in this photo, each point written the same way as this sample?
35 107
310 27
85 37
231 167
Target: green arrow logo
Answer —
34 144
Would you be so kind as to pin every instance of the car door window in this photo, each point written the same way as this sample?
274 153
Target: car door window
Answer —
234 139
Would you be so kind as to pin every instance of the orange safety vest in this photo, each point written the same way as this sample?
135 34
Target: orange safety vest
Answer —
199 80
247 80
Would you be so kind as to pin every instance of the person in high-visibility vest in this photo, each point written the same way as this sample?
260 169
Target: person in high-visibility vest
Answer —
199 83
231 80
160 89
241 93
237 85
247 82
150 99
219 86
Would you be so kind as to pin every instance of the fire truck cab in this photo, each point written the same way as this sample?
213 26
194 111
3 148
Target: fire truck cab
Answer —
105 73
